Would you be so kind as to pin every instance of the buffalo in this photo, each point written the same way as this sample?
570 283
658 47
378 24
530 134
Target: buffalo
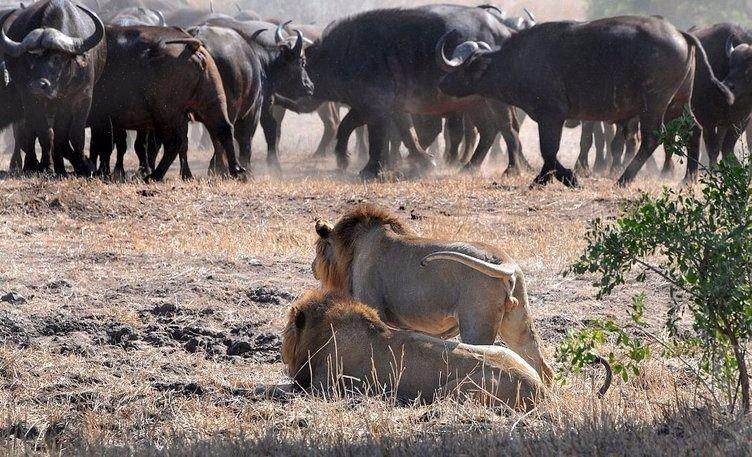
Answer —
55 54
144 61
730 56
380 62
280 62
555 71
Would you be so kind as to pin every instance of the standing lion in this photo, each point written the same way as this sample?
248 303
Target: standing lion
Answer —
437 287
332 342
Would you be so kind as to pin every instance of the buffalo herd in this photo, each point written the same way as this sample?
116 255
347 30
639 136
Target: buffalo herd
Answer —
404 75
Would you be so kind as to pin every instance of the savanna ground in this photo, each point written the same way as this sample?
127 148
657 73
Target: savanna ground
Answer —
138 318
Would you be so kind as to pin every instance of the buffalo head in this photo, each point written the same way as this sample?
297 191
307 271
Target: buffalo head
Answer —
739 78
290 75
51 56
464 68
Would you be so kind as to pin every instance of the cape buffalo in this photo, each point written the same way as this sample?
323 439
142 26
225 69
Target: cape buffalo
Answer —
54 55
281 65
139 90
380 62
597 71
730 55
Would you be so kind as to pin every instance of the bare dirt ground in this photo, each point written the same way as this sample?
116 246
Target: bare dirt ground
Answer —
137 318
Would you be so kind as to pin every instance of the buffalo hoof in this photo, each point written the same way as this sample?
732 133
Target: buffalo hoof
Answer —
542 179
370 172
690 178
567 177
600 168
582 169
511 172
118 175
625 180
186 175
342 162
470 169
424 161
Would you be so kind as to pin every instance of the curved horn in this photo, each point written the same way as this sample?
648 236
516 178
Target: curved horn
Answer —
211 6
7 45
82 45
278 37
256 34
530 15
298 48
484 46
609 375
730 46
444 63
503 271
501 12
162 21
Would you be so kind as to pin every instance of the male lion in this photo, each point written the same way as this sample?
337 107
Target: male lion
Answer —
375 258
334 342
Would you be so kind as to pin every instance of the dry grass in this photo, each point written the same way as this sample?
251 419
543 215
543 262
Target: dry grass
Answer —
137 296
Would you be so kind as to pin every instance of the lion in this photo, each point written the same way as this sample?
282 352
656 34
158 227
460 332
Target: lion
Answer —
332 342
432 286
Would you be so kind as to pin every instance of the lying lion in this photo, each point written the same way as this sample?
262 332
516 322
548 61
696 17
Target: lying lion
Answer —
476 292
333 342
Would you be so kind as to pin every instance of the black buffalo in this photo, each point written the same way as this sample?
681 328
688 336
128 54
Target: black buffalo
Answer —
139 90
730 55
281 64
381 62
597 71
54 55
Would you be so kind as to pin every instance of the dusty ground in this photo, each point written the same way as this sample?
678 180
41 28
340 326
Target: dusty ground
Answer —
136 318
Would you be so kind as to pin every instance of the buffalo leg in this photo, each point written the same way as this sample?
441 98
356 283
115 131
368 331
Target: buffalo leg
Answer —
404 125
271 132
378 131
510 131
693 154
427 128
350 122
455 125
141 146
586 143
120 136
245 128
549 131
649 124
175 142
733 134
361 141
327 114
602 135
16 161
470 137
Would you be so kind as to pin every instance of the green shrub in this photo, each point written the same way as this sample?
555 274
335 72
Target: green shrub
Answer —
700 244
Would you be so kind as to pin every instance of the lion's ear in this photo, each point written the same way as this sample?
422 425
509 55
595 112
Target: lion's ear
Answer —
323 228
300 320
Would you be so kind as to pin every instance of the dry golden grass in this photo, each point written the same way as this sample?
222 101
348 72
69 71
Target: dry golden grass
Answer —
135 293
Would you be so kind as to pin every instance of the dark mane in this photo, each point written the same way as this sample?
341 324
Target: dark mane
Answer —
336 274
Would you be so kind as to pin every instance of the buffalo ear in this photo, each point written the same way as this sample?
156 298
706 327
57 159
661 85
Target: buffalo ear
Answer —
300 320
323 228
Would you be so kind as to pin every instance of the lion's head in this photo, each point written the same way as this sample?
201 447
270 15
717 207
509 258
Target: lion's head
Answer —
309 328
335 246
